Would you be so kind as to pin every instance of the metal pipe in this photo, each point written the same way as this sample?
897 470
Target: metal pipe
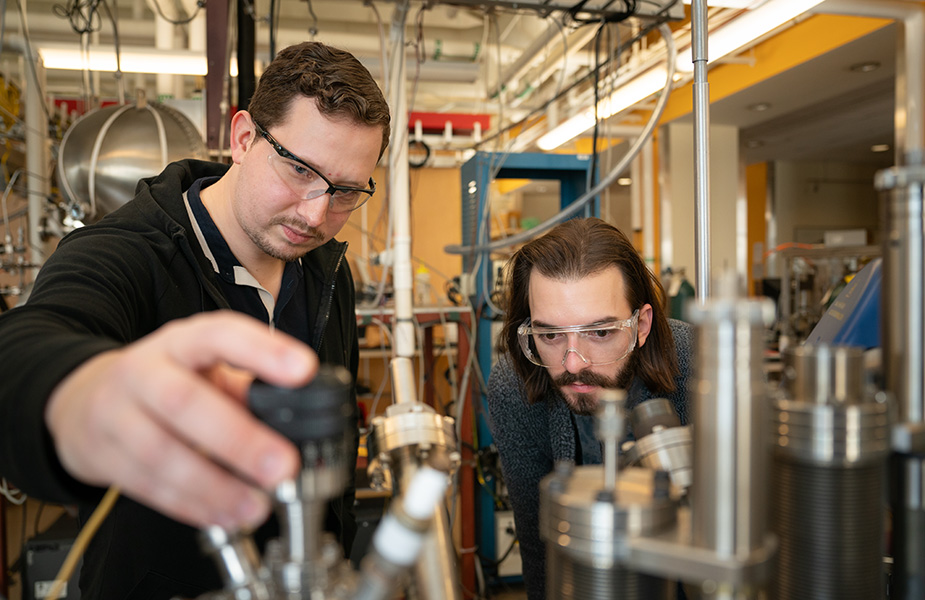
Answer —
903 310
37 155
903 343
435 573
728 494
910 90
403 386
701 92
399 192
647 185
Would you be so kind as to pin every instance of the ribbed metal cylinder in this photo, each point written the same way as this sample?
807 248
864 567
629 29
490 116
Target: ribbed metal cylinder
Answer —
586 527
575 580
831 443
829 524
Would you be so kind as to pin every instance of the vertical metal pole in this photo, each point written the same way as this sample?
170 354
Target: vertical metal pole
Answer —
647 183
902 311
903 341
37 160
701 90
910 89
399 192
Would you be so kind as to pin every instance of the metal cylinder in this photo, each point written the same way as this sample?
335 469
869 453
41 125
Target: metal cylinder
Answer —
903 304
586 528
825 374
903 342
831 439
661 444
649 415
235 555
728 494
435 575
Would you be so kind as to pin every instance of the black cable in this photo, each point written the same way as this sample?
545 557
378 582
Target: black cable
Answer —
416 145
630 9
272 30
592 172
116 42
507 552
25 512
313 30
199 6
83 17
38 518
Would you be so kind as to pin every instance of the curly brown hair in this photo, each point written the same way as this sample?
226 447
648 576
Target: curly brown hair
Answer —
339 83
573 250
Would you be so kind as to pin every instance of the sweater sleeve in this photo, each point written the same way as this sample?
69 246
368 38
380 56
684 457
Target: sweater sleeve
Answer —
521 435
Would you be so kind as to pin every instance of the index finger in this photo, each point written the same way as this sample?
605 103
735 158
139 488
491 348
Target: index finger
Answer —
211 339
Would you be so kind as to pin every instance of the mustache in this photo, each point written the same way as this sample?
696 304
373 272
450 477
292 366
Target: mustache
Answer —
301 228
585 377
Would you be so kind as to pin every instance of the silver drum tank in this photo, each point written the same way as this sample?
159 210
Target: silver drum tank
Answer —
105 152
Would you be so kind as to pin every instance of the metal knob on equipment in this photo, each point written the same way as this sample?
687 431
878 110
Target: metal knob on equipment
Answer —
589 513
662 443
305 563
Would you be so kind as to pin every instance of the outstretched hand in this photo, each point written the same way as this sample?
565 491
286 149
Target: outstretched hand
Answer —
165 419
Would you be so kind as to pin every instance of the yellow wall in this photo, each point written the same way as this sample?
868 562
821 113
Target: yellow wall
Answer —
436 221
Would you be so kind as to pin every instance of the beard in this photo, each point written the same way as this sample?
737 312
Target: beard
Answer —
586 404
261 239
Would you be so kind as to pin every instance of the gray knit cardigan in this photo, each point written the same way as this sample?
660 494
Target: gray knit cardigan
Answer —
531 438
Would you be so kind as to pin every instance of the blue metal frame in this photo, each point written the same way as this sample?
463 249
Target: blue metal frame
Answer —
571 171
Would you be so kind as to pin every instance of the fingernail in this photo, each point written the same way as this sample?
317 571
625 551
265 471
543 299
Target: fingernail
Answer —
272 468
226 522
295 362
252 509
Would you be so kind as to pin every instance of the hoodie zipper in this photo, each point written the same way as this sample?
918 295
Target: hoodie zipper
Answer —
322 323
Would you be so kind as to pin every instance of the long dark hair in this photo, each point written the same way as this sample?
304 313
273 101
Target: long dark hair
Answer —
573 250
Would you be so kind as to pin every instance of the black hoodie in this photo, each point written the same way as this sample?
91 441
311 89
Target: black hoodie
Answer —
107 285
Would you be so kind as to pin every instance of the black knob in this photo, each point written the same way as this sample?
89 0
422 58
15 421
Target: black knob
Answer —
319 411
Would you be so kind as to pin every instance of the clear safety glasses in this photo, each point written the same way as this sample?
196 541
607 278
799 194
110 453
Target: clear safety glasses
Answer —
306 181
597 344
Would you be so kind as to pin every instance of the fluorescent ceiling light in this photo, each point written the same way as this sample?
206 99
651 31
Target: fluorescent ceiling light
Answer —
732 36
131 59
747 28
628 94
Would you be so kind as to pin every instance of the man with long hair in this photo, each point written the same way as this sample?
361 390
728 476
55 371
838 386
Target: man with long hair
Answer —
583 314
